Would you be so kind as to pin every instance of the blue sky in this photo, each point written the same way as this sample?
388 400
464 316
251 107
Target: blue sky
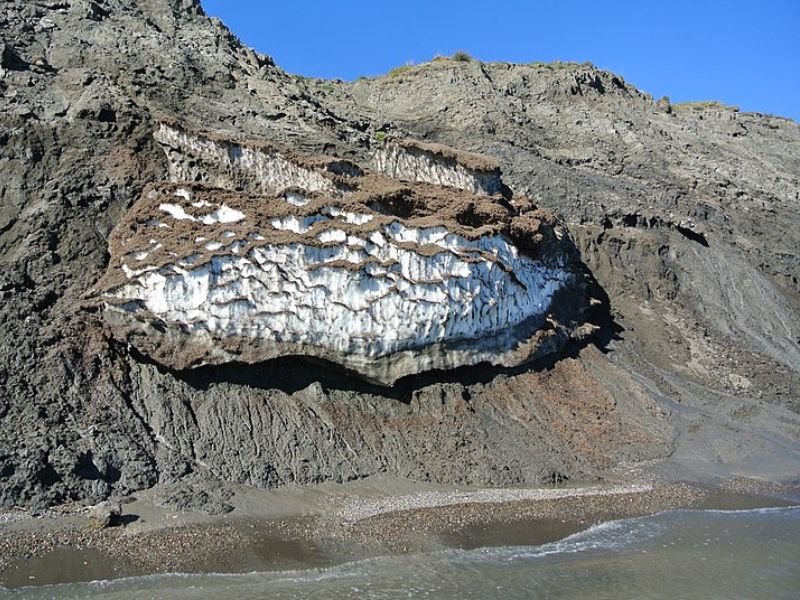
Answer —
739 52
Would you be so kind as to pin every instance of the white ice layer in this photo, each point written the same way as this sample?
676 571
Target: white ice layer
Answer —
413 164
390 299
347 217
296 199
223 214
257 169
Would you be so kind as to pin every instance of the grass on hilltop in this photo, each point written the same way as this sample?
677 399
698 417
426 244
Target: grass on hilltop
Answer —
410 66
704 105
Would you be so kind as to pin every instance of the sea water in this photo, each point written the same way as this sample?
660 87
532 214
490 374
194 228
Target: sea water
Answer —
674 554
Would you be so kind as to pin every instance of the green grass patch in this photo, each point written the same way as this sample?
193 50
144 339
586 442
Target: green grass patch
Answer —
401 70
561 64
704 105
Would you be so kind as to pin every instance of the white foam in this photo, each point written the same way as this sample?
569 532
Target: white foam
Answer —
768 510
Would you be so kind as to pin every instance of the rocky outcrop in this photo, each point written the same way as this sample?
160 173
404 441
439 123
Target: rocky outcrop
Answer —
385 279
105 514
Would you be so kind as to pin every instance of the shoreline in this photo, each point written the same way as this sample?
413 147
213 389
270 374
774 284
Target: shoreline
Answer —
327 525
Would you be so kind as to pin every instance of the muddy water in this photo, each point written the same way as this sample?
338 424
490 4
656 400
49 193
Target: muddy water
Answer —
750 553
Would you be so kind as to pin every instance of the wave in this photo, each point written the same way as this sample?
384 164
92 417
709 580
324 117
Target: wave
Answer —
619 534
631 534
609 535
771 510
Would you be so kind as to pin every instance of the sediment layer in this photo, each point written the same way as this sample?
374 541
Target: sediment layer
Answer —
385 278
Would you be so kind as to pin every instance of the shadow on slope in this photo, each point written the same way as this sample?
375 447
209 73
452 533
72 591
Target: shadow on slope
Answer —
291 374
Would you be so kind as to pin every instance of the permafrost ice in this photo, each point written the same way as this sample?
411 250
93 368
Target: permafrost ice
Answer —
384 278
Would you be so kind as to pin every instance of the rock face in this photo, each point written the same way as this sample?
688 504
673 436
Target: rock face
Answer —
686 218
105 514
386 279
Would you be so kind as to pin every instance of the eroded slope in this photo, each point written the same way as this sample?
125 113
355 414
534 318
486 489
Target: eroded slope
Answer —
385 278
83 86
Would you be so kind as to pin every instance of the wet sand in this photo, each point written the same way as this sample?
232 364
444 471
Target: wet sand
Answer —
327 525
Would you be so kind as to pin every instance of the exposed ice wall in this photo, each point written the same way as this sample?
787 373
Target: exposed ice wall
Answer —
227 165
416 164
368 295
316 259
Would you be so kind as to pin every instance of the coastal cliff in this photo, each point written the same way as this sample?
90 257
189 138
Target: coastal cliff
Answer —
667 235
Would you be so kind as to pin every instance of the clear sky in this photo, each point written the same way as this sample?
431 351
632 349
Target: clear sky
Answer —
745 53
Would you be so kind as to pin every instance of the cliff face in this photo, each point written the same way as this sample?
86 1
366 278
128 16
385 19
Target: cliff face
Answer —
685 215
386 278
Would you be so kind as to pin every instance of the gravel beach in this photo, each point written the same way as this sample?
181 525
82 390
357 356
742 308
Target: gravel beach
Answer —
263 533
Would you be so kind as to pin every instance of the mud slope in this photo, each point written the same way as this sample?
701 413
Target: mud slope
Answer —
686 216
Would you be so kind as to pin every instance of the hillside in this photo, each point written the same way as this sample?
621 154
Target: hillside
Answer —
684 217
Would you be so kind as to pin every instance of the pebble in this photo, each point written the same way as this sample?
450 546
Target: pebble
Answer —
357 528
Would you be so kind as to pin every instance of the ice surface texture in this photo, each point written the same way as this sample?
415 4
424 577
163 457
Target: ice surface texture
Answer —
385 277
